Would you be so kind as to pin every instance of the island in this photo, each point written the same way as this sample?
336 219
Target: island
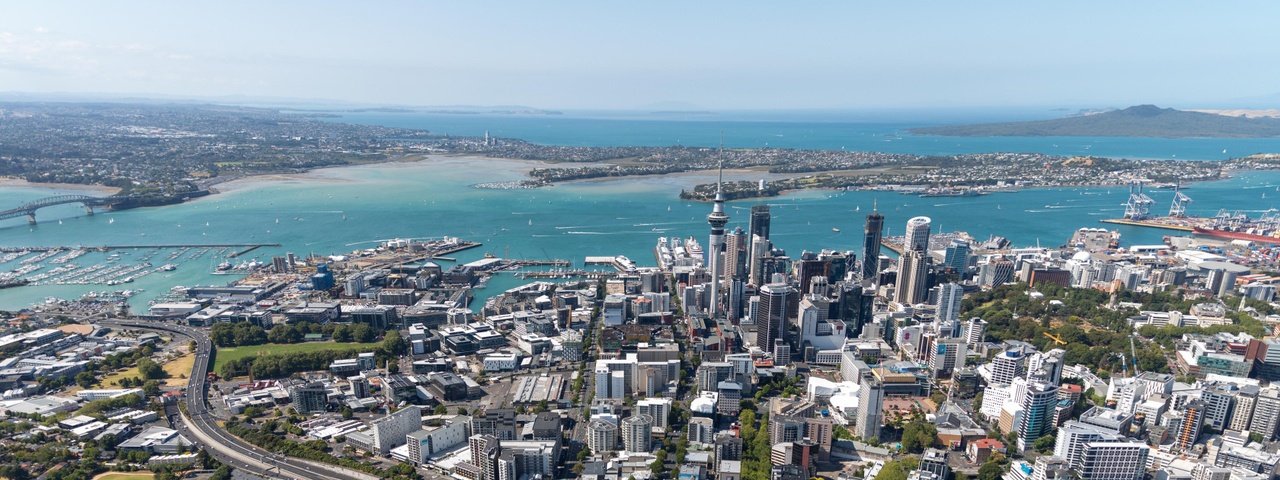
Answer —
1137 121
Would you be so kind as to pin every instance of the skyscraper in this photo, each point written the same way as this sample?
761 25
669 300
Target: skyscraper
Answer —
1192 419
735 254
1037 413
715 251
759 226
949 296
870 407
957 256
917 236
771 317
871 246
636 431
975 331
913 274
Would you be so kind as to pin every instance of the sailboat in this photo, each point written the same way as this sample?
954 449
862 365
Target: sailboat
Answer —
111 221
530 222
857 209
277 220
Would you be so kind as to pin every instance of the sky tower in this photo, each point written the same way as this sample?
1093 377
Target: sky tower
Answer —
718 219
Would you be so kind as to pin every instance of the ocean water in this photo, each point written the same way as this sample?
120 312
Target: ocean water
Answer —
339 210
858 131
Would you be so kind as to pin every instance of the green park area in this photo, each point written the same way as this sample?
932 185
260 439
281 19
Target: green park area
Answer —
229 354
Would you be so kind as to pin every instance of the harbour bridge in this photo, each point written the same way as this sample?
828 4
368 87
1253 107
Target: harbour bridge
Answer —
29 209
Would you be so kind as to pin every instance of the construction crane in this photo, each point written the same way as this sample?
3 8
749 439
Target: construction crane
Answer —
1134 350
1139 204
1055 338
1180 201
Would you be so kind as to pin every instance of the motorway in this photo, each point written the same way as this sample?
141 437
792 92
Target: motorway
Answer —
228 449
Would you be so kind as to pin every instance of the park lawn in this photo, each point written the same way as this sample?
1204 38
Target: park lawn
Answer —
112 380
125 476
236 353
179 369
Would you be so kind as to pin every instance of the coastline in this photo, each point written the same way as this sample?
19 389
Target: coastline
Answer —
689 178
21 183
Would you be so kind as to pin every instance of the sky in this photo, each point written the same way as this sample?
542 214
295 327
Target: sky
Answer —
637 55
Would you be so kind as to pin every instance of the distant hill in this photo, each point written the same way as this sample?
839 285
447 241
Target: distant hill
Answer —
1137 121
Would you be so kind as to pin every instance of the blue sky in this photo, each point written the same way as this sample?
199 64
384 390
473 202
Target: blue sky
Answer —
715 55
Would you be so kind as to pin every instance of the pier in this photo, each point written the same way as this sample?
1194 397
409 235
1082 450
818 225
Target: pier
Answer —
242 252
1158 222
593 275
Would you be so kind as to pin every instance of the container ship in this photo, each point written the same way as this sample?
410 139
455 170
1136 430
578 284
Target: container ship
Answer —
1265 229
1252 237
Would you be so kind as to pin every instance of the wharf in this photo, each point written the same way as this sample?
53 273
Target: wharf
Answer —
211 245
242 252
895 247
462 245
1158 222
541 263
104 248
567 274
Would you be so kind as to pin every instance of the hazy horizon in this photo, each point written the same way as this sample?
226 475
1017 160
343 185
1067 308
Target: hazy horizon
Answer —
589 56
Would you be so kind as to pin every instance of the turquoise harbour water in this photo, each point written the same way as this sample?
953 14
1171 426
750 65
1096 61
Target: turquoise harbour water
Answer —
334 211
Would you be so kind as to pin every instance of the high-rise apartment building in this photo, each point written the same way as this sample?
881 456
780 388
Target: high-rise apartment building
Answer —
636 431
870 407
917 235
1037 413
913 276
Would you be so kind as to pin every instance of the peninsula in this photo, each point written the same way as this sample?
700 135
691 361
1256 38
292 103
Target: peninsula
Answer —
1137 121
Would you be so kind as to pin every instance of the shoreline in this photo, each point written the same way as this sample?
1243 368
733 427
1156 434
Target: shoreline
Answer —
22 183
322 175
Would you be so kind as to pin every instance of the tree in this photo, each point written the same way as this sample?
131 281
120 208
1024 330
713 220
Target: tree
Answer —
361 332
1044 444
85 379
989 471
462 411
150 370
151 388
347 413
893 470
342 334
918 435
440 409
660 460
393 344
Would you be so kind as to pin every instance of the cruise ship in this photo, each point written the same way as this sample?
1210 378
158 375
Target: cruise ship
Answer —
676 252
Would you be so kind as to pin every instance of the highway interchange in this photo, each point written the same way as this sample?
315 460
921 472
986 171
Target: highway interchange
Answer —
228 449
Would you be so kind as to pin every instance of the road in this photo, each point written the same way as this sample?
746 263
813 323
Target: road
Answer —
228 449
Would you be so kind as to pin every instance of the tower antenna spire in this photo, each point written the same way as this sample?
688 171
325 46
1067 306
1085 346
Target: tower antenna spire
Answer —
873 205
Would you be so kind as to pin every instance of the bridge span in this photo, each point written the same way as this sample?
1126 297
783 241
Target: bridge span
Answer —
29 208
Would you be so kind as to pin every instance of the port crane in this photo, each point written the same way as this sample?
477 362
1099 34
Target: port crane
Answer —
1180 201
1139 205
